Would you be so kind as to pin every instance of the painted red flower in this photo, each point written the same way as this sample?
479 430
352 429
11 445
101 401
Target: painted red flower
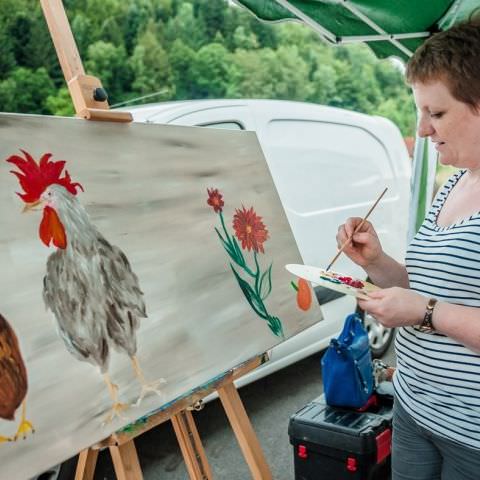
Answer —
215 199
250 229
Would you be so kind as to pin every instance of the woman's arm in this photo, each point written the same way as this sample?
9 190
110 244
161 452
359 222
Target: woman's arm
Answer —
366 251
400 307
387 272
458 322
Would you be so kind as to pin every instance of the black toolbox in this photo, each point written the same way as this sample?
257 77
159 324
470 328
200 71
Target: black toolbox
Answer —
332 443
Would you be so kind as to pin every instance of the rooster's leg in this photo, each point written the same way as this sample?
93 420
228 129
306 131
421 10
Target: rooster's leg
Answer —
25 426
146 386
117 406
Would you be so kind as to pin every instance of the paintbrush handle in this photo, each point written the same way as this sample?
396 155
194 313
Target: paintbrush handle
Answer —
357 228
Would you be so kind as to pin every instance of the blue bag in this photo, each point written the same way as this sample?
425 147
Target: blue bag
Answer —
347 369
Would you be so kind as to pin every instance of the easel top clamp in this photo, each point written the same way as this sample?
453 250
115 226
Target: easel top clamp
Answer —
90 102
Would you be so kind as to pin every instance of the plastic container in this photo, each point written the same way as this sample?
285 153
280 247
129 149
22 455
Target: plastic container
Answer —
332 443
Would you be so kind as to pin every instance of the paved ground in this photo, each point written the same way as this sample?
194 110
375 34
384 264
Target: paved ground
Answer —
269 402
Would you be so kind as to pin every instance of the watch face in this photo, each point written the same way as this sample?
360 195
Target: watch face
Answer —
424 328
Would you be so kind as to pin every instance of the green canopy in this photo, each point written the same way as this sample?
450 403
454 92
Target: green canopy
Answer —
389 27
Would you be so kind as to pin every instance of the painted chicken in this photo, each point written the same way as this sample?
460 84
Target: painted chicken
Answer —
13 381
89 285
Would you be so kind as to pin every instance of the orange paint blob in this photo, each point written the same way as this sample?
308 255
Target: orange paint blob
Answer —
304 295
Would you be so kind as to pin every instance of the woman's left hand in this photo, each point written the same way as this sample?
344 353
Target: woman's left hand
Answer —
395 307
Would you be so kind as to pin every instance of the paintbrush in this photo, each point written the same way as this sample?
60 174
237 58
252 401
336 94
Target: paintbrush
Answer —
358 227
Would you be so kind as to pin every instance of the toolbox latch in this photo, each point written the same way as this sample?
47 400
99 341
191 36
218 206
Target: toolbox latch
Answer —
302 451
384 444
352 464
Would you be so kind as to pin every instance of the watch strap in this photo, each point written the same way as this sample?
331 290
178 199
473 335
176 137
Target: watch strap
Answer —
427 324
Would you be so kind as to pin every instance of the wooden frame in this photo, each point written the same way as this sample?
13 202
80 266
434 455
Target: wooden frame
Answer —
122 446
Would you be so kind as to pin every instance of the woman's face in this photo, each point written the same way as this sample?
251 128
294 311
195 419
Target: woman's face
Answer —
452 125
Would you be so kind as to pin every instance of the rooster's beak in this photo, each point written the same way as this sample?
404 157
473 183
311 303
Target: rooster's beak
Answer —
32 206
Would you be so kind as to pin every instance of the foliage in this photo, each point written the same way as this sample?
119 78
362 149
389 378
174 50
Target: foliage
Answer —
186 49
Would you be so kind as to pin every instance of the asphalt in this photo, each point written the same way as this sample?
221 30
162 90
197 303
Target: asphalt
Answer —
269 403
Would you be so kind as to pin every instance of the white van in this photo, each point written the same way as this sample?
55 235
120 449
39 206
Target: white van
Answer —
327 164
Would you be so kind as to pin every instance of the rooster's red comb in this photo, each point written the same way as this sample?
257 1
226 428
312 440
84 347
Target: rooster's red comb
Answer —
35 178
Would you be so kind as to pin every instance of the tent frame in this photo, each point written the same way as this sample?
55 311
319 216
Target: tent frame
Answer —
393 38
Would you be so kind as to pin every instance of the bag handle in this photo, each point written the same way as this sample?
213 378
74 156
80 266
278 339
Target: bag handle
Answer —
348 327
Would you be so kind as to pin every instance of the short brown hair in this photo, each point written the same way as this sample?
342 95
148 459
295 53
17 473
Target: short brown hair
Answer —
452 56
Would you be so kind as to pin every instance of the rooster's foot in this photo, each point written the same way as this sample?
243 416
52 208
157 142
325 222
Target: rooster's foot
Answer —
150 387
24 428
5 439
116 412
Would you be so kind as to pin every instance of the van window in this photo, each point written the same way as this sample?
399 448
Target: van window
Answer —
322 166
225 125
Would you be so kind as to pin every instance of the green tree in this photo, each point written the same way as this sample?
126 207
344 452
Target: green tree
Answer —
211 70
242 39
212 15
181 61
81 29
150 65
290 74
60 103
401 111
7 58
109 64
26 91
184 26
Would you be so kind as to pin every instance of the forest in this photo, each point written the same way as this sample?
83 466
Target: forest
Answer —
190 49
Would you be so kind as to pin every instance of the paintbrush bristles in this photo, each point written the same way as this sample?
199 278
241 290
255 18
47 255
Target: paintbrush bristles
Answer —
358 227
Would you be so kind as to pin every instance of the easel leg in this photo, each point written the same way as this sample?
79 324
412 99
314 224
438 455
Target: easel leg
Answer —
87 460
125 461
244 432
191 446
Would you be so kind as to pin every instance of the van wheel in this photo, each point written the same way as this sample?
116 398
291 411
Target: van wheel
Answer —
380 337
63 471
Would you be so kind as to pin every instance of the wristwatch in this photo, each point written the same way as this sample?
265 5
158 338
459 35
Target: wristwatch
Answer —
427 326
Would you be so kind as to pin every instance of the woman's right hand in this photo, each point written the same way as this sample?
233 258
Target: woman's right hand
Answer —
365 248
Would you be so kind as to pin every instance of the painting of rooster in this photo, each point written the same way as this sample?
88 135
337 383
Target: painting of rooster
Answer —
89 284
13 381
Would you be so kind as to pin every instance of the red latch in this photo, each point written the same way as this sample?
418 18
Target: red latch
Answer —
352 464
371 403
302 451
384 444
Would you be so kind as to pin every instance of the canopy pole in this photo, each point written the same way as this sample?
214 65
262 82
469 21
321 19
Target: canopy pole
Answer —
330 37
372 24
377 38
308 20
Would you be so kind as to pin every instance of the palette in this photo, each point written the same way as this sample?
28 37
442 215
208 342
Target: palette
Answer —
345 284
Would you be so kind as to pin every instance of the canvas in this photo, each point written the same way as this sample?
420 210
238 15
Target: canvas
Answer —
148 263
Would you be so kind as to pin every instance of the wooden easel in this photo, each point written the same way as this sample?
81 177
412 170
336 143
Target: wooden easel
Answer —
90 103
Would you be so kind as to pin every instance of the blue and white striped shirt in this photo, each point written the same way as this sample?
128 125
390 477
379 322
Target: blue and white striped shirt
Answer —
438 379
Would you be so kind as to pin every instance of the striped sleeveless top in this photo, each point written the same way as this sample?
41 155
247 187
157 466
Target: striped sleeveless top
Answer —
438 380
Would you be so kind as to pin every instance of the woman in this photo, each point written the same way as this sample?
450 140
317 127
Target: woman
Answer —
435 297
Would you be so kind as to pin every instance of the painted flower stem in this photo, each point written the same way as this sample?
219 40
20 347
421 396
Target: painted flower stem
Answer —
233 249
251 233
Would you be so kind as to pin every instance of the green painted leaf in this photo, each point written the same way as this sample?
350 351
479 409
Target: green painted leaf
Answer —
266 283
238 251
250 295
227 246
276 326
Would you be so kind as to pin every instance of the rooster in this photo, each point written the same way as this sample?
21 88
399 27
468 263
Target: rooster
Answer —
13 381
89 285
